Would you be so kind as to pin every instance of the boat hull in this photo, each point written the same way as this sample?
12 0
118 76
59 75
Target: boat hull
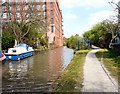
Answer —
16 57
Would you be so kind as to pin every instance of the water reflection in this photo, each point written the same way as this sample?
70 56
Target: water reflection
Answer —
55 62
67 56
19 69
35 74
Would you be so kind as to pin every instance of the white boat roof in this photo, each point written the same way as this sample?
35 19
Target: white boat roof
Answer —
22 45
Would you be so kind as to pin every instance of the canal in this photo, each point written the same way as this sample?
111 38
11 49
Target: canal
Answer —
36 73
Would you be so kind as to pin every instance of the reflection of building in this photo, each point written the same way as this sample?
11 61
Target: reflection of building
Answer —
16 10
20 69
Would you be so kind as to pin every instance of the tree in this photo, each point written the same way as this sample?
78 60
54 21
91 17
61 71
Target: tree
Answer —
74 41
7 41
101 33
116 6
7 36
31 28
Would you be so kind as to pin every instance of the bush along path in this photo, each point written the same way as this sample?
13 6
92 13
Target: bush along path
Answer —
96 77
111 61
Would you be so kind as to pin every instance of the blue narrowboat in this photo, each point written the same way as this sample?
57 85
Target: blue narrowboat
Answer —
19 52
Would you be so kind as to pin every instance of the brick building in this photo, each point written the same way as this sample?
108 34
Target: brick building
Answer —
15 10
54 15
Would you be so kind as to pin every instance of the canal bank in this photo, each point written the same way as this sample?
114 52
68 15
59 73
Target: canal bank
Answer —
36 73
111 61
71 78
96 77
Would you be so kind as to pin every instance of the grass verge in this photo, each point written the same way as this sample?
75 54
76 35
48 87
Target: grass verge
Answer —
111 60
72 77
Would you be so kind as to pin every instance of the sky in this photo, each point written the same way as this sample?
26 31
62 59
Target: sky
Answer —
80 16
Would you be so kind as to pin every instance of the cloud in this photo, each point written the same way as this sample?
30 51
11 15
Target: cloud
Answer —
86 3
99 17
69 3
70 16
97 11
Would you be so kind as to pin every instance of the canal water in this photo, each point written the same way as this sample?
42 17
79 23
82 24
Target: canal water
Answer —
36 73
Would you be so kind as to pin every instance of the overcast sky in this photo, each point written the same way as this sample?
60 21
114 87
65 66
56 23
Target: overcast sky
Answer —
80 15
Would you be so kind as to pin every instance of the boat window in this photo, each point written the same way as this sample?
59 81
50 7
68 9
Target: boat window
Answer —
14 51
21 45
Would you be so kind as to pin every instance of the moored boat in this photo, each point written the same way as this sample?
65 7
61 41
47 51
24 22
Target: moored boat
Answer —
21 51
2 57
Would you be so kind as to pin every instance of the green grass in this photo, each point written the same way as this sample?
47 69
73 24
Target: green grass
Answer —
111 60
72 77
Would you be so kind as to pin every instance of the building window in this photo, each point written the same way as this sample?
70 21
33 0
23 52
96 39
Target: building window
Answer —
18 7
52 29
52 21
4 8
44 13
3 1
38 13
54 40
26 7
38 0
10 15
17 0
10 8
32 7
51 5
51 13
38 7
4 15
26 0
44 7
44 0
30 0
18 15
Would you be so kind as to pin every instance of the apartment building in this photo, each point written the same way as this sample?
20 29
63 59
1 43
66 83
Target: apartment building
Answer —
15 10
54 15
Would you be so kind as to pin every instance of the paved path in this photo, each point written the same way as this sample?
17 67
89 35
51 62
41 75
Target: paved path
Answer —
95 77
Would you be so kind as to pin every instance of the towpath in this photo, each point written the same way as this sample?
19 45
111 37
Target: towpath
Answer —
96 77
